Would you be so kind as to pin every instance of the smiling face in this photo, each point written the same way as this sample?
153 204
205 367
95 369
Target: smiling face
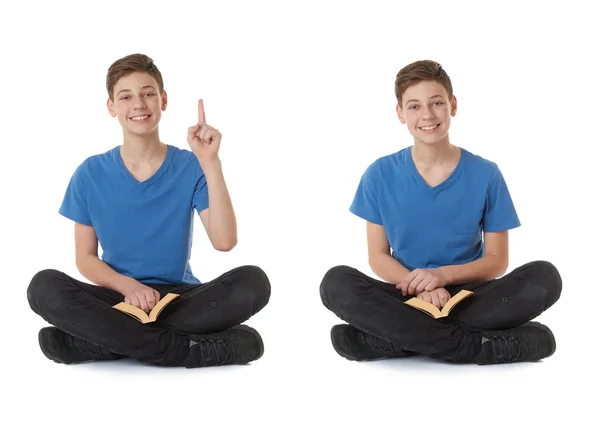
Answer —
427 111
138 103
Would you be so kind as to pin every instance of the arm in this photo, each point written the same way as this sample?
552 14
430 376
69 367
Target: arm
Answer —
91 267
97 271
492 265
499 216
219 218
381 261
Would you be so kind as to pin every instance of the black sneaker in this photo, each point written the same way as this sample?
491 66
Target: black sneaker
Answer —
61 347
356 345
530 341
236 345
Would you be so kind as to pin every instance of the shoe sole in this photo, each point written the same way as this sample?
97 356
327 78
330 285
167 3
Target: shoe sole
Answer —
256 335
349 357
549 332
44 351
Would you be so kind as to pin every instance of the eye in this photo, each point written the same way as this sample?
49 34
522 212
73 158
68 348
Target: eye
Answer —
413 107
438 103
149 94
126 97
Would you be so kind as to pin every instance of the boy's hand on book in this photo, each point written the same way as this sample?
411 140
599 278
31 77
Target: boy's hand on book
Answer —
420 280
142 296
203 139
438 297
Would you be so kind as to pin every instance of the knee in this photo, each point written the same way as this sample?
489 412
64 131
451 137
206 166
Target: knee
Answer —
334 282
547 279
41 288
255 284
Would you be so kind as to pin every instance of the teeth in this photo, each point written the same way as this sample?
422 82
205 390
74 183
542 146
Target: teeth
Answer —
143 117
429 127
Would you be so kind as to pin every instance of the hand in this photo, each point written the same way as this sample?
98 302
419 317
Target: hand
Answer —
142 296
438 297
204 139
420 280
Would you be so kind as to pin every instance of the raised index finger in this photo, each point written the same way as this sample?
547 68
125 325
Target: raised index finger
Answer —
201 117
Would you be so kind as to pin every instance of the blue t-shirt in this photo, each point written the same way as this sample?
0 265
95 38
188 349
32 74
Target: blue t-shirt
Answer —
144 228
426 226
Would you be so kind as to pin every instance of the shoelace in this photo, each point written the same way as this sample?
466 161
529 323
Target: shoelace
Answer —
506 349
213 351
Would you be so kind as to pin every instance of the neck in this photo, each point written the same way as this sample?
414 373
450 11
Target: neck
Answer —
432 155
136 149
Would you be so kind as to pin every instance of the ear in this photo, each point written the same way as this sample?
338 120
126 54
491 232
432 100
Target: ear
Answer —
111 107
163 100
453 106
400 114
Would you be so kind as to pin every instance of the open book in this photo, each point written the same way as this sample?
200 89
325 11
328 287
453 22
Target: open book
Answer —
139 314
432 310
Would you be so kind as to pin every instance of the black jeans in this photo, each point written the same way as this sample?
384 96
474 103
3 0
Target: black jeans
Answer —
85 311
378 308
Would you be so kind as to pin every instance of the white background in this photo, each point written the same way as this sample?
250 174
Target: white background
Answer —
304 96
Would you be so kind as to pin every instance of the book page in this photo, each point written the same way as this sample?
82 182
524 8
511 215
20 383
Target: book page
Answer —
133 311
161 305
422 305
455 300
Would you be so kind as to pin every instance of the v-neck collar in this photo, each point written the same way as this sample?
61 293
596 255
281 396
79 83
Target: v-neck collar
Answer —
444 183
131 178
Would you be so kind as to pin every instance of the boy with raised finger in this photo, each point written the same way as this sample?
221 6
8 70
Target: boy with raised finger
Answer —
139 201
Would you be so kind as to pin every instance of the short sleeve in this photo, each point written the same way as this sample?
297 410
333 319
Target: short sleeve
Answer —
74 205
200 199
365 204
500 213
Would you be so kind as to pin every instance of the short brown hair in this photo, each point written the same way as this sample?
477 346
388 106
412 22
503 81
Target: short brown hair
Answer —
419 71
131 64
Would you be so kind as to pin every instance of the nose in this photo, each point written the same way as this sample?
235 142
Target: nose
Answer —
139 103
427 113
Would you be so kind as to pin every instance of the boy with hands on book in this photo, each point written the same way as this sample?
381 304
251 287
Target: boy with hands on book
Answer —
138 201
437 221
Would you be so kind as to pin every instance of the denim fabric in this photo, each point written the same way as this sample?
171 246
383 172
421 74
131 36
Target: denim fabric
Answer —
85 311
378 308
